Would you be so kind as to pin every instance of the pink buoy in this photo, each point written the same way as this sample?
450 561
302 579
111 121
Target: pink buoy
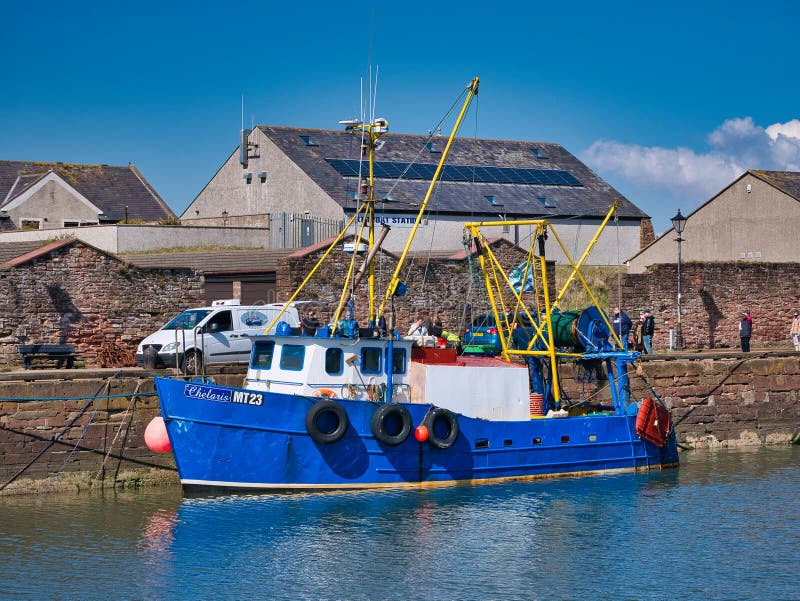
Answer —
156 437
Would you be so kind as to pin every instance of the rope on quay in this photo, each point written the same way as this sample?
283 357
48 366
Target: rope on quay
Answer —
119 430
79 398
80 438
58 436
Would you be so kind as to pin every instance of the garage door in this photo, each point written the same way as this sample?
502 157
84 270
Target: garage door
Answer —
256 293
218 291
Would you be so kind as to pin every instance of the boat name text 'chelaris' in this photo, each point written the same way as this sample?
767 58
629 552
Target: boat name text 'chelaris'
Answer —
208 393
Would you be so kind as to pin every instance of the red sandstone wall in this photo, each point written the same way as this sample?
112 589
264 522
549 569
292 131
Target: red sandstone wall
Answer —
713 298
87 298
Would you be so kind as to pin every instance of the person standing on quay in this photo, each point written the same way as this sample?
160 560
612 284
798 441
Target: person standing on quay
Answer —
745 331
794 333
648 330
622 326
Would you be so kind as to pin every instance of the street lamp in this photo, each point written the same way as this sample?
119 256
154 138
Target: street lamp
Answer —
679 222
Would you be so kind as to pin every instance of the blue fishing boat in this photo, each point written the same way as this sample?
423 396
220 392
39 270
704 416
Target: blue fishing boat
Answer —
347 407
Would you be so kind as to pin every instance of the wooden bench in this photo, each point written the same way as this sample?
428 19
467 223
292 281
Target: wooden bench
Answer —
63 353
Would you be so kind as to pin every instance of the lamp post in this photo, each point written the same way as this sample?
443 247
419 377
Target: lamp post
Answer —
679 222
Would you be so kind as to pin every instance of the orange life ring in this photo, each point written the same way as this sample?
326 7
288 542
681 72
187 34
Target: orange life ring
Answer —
326 392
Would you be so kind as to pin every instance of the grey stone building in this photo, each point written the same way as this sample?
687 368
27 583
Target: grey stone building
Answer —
317 175
754 219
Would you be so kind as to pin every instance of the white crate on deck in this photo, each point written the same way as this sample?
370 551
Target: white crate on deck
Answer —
487 389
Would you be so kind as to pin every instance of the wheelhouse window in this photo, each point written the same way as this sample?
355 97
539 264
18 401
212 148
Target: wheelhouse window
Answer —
371 360
292 356
398 361
262 354
333 361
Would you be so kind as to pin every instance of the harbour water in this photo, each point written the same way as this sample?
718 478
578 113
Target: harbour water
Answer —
726 525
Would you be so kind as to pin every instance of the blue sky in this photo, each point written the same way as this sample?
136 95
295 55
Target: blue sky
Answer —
669 102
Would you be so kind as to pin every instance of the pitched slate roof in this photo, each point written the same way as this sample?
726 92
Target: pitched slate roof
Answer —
310 149
12 250
109 188
786 181
220 261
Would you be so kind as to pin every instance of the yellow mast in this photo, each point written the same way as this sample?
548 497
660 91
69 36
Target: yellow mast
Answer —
372 131
472 90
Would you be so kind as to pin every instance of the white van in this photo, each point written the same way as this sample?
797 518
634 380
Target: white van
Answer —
210 335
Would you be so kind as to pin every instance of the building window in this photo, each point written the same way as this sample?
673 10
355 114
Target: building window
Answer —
431 147
546 202
308 141
493 201
30 224
539 153
72 223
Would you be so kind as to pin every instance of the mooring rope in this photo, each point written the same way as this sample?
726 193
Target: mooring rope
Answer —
119 430
76 398
80 438
57 437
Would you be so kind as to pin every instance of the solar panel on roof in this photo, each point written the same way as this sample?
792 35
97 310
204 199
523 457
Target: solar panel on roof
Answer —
459 173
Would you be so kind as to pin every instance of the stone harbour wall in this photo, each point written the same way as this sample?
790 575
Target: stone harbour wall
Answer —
713 298
84 297
725 401
104 445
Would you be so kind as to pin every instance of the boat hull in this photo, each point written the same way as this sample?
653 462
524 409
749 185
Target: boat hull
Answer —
232 438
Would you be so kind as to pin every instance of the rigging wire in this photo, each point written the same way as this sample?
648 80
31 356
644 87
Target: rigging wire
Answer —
121 425
431 135
619 263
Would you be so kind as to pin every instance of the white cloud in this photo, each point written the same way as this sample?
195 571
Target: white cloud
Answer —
790 129
735 146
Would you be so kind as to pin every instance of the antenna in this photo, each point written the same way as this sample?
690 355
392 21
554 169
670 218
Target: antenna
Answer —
243 135
374 95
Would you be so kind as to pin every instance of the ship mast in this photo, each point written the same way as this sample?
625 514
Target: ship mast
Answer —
370 132
392 288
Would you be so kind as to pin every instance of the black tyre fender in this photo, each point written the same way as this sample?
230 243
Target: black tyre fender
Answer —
379 422
433 422
330 410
